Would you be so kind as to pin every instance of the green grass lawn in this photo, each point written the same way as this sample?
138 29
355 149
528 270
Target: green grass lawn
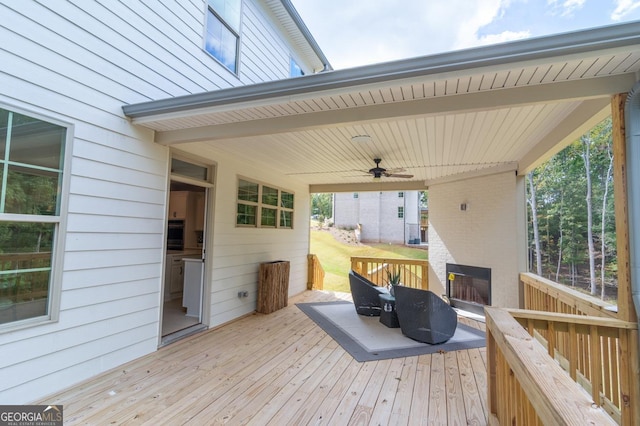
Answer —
335 257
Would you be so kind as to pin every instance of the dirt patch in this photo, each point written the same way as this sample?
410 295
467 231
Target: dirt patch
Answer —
344 236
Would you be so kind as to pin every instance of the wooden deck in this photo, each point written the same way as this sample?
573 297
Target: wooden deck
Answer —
281 369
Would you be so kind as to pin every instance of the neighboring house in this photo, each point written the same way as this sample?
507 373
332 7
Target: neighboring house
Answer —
381 217
154 149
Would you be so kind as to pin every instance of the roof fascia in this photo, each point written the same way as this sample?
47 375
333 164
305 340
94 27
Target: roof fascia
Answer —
560 45
306 33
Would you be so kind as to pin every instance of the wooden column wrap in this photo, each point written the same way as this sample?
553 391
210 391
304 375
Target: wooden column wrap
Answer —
626 311
273 286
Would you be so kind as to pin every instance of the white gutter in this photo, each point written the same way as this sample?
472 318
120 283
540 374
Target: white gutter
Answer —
609 38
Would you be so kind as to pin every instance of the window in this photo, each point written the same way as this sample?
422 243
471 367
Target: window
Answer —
294 69
263 206
222 38
31 166
400 212
355 195
286 211
400 194
190 170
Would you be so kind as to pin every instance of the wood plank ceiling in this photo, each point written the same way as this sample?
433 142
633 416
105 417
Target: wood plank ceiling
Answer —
438 125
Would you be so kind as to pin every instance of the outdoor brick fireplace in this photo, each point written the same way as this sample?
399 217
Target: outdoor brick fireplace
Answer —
469 287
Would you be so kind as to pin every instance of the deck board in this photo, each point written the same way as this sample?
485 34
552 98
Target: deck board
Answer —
279 369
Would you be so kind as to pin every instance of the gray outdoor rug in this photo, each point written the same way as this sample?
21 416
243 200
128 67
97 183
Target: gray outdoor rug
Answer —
366 339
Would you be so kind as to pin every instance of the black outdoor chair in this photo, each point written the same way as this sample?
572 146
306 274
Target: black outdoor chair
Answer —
365 295
423 316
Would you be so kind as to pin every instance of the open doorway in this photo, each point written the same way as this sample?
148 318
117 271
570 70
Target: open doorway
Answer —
184 264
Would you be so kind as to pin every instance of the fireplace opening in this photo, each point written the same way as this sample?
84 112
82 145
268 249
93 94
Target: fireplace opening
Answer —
469 287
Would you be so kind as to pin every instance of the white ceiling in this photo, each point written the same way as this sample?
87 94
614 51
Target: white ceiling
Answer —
438 118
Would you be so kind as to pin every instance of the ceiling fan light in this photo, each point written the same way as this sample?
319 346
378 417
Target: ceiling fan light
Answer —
361 139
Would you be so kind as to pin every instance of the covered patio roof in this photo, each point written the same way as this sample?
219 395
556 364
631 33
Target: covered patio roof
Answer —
444 117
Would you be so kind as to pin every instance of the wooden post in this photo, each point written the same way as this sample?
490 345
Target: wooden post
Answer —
626 309
425 276
491 374
311 267
315 273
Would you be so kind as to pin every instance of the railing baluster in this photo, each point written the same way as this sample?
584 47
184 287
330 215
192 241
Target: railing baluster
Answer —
596 372
573 351
551 338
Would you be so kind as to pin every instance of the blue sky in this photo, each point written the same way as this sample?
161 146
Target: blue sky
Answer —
359 32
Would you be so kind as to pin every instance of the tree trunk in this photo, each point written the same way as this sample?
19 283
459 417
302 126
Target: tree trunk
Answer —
560 236
534 222
559 253
604 221
586 142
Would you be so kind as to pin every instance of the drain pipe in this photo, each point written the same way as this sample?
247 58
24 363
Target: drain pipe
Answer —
632 125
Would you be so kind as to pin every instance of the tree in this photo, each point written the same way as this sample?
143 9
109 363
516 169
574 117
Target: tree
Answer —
534 220
586 155
322 204
604 222
573 212
424 199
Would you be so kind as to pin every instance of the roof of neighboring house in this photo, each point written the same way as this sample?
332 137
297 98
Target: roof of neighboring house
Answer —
458 114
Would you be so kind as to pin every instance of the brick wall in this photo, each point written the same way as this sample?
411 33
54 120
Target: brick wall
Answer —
486 234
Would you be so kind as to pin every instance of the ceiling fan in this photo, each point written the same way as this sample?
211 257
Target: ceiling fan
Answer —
378 171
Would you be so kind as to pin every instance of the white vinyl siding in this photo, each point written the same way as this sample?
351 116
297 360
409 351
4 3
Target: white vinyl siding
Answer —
241 250
79 62
258 36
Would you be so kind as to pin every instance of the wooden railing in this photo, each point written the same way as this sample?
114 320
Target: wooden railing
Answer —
526 386
315 273
592 350
541 294
584 336
413 272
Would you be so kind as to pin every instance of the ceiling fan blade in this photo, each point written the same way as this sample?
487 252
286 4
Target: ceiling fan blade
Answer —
395 175
394 171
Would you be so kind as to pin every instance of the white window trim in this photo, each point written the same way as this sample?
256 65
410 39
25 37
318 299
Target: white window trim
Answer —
238 33
259 205
55 287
